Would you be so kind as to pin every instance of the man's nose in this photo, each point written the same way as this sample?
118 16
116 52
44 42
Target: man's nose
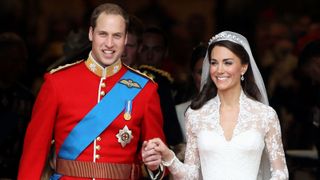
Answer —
109 42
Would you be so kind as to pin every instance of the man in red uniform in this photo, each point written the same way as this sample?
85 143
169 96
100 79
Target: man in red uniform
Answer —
98 111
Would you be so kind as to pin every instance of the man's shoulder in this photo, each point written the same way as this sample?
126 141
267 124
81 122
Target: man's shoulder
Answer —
64 67
65 73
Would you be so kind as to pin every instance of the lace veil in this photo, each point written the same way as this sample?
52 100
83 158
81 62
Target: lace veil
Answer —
264 171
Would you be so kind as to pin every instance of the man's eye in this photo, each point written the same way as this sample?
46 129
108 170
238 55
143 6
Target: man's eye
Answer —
117 36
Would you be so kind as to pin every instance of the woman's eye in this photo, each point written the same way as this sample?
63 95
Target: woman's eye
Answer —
212 62
228 62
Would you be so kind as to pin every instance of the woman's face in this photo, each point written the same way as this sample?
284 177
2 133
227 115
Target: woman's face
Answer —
226 69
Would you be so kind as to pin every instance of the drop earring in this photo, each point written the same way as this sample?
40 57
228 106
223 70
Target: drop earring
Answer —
242 78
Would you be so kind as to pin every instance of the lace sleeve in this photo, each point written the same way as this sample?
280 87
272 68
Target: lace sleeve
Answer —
274 148
190 168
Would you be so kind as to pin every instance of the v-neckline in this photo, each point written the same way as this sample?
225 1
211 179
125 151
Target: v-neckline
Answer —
236 126
233 130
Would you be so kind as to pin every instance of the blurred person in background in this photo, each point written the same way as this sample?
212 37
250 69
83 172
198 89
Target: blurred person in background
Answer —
153 52
304 131
135 30
16 102
197 57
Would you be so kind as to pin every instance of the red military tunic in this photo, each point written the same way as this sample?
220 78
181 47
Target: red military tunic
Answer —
66 97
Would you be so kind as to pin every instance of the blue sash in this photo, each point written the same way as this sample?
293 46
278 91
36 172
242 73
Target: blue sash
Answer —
101 116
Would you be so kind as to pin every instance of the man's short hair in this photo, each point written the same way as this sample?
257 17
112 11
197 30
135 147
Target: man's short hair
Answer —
108 8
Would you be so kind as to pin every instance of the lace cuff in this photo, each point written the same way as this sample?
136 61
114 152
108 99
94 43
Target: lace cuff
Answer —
169 163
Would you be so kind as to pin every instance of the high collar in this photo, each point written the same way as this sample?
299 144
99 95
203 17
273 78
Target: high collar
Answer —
100 71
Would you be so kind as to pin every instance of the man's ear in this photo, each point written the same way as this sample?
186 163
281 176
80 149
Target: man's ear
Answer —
90 34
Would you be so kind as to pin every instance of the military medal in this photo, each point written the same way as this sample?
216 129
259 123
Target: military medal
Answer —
128 109
127 116
124 136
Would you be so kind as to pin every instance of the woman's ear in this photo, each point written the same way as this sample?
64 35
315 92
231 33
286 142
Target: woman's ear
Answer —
244 69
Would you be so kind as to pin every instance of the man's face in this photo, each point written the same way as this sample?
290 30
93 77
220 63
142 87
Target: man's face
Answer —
108 38
152 50
131 50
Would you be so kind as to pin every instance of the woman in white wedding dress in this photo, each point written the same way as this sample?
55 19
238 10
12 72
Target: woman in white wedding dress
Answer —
232 133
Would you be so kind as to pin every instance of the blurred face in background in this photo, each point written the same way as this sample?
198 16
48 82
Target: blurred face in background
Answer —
130 53
312 70
152 50
13 59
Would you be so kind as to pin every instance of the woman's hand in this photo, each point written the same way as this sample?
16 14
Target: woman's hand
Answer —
165 152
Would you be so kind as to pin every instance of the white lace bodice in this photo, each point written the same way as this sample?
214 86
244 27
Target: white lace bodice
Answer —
210 156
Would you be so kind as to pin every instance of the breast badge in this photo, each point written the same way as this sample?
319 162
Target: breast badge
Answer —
130 84
124 136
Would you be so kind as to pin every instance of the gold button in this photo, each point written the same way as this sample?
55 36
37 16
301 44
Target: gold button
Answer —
98 138
97 156
103 84
98 147
102 93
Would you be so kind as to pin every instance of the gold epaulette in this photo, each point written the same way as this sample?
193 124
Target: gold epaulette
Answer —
63 67
138 72
159 71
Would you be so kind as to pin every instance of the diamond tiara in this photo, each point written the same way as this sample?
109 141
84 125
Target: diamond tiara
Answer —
229 36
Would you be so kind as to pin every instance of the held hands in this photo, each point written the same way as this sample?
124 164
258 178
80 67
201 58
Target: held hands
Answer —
154 152
150 157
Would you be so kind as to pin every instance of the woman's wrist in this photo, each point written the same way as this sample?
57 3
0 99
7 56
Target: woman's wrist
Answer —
168 160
